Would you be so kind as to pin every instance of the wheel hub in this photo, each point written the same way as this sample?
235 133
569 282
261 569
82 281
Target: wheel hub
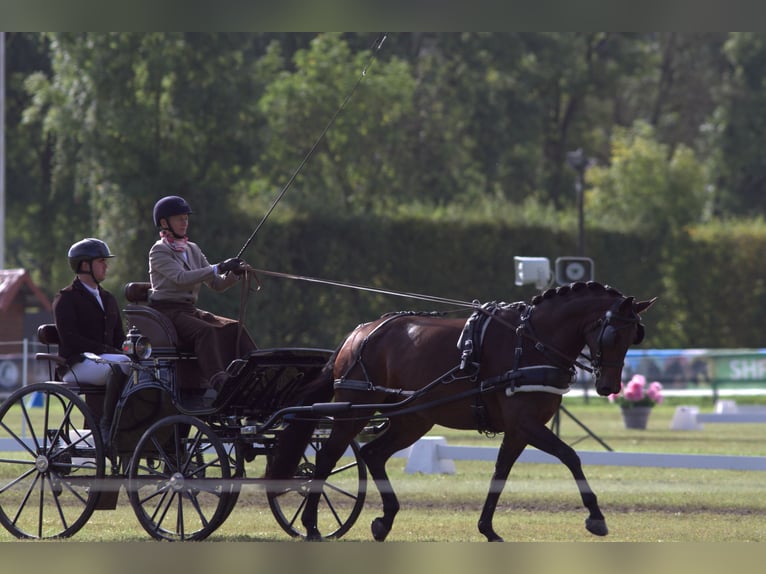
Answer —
42 463
177 481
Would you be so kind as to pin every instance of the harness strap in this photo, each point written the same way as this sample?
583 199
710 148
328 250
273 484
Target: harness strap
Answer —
357 385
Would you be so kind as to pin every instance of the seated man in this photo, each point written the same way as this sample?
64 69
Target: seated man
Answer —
177 270
88 320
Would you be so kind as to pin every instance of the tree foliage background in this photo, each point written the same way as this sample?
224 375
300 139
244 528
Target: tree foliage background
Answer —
449 159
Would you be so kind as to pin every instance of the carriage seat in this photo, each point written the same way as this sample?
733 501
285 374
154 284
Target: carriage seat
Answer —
162 334
153 324
48 335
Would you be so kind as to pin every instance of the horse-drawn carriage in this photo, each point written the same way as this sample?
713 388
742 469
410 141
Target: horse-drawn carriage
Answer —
183 457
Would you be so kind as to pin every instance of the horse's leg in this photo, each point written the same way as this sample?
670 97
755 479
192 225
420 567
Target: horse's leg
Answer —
402 432
543 438
343 432
509 451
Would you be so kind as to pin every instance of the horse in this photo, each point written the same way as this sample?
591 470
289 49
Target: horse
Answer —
504 370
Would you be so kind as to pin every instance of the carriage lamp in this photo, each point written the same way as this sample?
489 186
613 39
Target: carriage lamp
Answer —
137 345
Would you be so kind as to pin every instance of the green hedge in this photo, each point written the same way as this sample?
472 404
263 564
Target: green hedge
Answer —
709 281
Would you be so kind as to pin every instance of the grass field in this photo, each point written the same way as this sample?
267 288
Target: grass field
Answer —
540 502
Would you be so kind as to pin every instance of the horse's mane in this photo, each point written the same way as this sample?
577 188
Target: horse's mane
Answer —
577 288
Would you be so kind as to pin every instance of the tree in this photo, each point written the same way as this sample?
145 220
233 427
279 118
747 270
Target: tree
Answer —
647 188
740 127
362 161
138 116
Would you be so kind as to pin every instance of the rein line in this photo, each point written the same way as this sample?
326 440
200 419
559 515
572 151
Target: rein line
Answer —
523 330
420 296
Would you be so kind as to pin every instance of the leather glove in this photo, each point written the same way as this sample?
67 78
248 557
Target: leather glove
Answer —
234 264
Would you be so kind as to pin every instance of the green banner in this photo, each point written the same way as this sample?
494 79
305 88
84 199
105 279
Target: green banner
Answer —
684 367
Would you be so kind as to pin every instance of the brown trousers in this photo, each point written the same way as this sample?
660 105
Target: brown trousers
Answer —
213 339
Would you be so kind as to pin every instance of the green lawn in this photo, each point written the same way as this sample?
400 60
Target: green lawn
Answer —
540 502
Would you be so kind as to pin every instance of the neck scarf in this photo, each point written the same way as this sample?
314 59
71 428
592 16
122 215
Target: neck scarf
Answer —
175 243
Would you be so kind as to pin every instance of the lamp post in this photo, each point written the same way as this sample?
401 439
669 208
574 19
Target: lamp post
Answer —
579 162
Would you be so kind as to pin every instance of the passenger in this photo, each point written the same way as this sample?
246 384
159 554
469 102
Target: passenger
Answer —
88 320
177 269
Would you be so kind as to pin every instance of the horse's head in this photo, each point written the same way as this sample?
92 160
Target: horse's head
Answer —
609 338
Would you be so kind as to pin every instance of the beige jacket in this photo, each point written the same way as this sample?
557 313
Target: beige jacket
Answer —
178 279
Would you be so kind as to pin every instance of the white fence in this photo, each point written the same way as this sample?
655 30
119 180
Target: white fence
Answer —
432 455
18 366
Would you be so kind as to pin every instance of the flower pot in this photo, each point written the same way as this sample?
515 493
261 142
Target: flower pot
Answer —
635 417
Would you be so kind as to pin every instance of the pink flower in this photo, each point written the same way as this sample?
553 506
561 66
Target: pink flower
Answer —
634 391
639 379
654 392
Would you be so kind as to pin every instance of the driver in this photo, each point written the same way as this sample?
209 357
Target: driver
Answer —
177 270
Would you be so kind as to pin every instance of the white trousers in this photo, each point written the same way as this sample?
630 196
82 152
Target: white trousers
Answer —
95 373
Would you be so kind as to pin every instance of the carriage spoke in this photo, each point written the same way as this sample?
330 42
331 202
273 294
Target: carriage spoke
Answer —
331 507
19 478
16 438
25 499
339 490
56 500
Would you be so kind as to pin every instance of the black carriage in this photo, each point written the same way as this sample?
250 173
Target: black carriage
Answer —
181 456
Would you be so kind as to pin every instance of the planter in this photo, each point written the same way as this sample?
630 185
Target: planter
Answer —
635 417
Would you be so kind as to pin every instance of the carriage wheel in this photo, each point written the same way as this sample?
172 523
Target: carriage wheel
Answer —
50 462
342 497
179 480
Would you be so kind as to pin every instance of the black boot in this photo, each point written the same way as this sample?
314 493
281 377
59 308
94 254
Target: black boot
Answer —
112 394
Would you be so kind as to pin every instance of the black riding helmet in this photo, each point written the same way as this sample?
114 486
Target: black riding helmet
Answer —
87 249
170 205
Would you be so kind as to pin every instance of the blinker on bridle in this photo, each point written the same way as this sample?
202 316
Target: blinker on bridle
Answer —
607 338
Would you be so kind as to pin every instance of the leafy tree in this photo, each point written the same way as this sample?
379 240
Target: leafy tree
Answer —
35 220
647 188
362 162
138 116
741 125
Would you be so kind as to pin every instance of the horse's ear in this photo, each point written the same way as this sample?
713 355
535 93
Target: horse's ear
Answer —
641 306
627 304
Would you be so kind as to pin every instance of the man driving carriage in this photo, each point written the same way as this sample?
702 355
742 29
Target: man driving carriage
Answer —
177 270
88 320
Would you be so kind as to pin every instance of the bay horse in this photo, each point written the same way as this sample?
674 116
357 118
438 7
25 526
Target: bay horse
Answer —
504 370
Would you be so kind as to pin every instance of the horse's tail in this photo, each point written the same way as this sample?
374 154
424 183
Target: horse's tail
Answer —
294 438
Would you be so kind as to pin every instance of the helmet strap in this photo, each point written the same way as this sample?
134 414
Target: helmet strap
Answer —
170 229
88 272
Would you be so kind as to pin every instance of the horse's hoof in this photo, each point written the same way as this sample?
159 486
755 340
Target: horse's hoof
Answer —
379 529
597 527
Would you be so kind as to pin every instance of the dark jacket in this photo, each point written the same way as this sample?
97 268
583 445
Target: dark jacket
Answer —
83 326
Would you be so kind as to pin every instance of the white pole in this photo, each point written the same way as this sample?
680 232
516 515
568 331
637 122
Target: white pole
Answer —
2 150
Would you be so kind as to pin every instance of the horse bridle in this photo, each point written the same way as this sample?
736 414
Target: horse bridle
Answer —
606 337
